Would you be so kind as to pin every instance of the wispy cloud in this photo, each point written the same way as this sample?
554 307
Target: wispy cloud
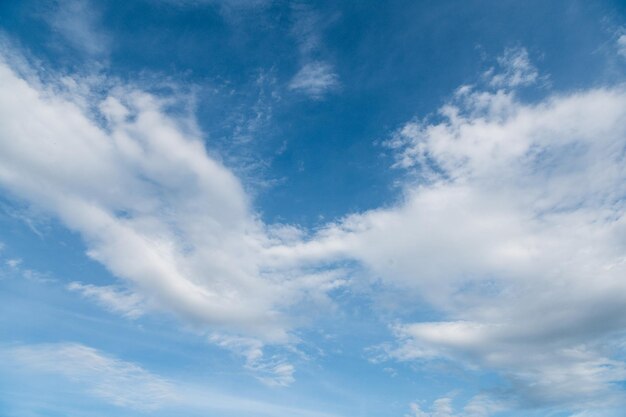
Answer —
315 79
478 406
515 70
316 76
621 45
89 372
16 268
117 300
13 263
117 382
78 22
274 371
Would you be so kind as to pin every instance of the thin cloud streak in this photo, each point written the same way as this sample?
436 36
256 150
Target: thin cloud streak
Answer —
126 385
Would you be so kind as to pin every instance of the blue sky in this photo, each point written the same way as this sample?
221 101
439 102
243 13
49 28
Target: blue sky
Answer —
317 209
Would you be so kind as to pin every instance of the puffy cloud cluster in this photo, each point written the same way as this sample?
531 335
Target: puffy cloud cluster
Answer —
531 211
513 228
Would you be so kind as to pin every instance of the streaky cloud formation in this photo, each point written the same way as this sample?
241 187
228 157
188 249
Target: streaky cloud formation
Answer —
150 203
117 300
315 79
120 383
126 386
516 70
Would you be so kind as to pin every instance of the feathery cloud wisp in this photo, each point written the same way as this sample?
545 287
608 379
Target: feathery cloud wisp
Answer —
315 79
117 382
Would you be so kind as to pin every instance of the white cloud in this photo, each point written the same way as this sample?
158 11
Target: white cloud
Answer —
274 371
307 29
478 406
441 407
516 70
514 229
117 382
483 406
78 22
151 205
315 79
14 263
67 373
512 226
117 300
621 45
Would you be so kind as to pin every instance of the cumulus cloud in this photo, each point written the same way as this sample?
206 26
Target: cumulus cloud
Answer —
117 382
512 227
150 203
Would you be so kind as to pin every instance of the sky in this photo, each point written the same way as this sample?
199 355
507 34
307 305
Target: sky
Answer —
312 209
